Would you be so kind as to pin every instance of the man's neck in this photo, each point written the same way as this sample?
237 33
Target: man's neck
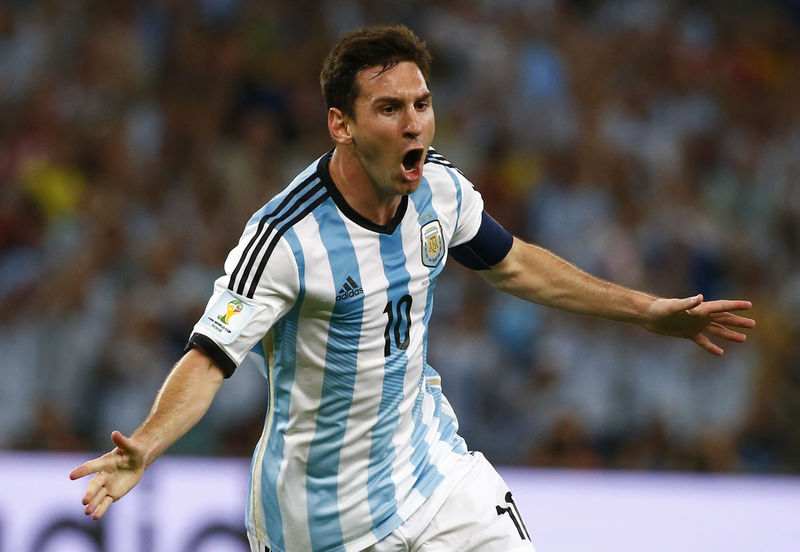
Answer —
357 190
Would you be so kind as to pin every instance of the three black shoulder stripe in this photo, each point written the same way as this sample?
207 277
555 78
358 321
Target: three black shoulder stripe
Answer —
291 222
286 200
268 223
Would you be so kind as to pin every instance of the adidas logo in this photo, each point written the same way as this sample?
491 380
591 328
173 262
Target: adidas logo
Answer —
349 289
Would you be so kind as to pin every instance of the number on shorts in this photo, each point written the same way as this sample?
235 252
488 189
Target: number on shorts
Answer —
513 513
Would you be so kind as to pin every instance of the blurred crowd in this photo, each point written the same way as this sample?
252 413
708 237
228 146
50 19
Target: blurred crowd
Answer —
655 143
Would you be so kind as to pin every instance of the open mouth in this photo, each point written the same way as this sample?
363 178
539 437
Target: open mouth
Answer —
411 160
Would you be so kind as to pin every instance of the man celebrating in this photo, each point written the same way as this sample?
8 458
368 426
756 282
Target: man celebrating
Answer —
332 285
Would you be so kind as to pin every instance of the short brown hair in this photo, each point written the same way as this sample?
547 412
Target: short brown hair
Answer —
384 46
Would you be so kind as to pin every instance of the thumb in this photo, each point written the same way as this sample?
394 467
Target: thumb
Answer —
691 302
123 443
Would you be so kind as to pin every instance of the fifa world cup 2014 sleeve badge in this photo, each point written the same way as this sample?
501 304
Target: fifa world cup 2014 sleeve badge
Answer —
432 243
227 316
233 307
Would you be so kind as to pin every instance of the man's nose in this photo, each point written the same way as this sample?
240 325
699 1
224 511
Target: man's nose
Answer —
413 123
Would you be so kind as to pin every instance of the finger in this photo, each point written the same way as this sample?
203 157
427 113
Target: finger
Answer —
93 487
96 500
95 484
708 345
722 305
104 463
78 472
102 507
729 319
83 470
718 330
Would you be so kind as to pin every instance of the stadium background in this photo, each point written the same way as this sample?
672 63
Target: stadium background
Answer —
655 143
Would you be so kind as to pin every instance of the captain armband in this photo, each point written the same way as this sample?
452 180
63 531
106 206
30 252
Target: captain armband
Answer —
489 246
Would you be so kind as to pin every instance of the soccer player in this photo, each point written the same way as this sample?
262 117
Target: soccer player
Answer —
331 285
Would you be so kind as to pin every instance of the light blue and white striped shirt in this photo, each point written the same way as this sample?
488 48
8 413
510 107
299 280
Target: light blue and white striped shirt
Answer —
358 433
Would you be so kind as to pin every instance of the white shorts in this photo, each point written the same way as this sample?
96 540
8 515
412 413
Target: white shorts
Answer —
479 515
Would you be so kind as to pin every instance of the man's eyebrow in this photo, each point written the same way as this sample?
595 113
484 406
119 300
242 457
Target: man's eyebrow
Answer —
396 99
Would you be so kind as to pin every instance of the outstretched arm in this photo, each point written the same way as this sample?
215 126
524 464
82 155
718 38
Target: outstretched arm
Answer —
537 275
183 399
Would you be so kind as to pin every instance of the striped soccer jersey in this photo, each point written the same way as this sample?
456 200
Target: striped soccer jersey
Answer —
357 433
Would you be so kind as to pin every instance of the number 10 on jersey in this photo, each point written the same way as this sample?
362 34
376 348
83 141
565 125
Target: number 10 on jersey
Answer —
398 324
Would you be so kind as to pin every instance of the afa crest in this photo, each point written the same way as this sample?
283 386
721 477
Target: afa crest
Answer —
432 243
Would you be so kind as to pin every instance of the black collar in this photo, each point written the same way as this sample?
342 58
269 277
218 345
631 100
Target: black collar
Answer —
324 173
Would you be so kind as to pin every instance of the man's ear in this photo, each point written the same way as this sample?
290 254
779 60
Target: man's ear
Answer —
339 126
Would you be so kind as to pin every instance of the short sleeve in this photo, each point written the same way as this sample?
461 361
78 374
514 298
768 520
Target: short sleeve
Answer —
234 320
470 211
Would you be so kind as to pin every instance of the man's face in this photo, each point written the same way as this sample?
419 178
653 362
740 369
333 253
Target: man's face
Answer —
392 127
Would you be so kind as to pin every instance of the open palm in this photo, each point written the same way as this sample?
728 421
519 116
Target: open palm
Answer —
697 320
117 472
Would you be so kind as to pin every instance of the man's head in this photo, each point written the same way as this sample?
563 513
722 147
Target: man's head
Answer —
380 114
380 46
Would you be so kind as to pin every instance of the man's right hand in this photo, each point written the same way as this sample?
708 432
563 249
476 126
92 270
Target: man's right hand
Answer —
117 472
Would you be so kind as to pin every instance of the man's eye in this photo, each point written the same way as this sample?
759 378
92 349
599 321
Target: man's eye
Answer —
422 105
389 109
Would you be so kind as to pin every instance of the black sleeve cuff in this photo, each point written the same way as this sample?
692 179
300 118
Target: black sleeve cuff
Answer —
214 352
